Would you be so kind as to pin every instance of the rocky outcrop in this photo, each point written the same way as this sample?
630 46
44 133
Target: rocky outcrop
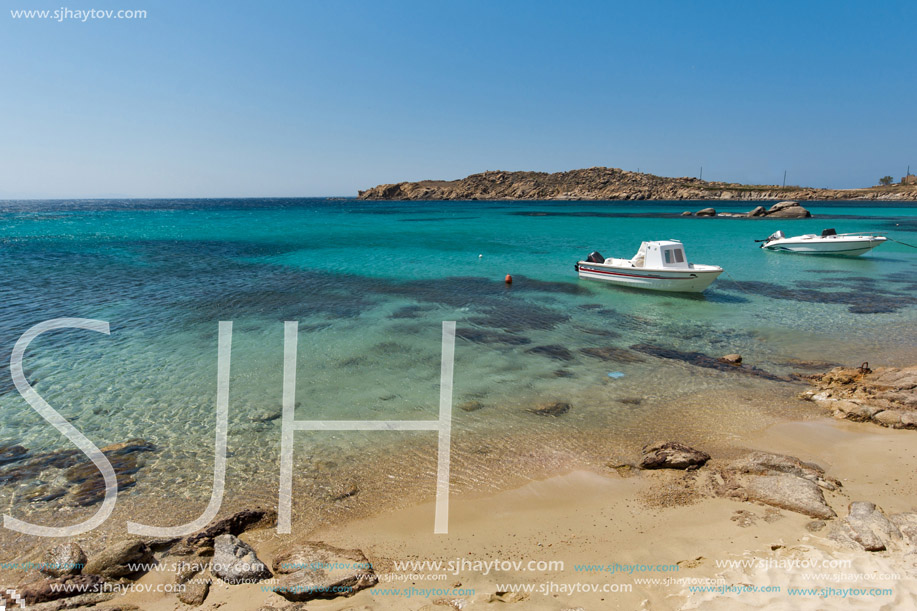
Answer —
886 396
63 559
672 455
119 559
787 210
235 562
78 589
706 212
236 524
779 481
601 183
867 527
789 492
195 577
317 570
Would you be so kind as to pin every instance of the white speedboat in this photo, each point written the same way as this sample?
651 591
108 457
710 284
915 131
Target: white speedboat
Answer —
828 243
658 266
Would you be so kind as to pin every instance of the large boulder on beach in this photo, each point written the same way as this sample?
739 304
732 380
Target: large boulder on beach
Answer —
866 526
235 562
672 455
706 212
766 463
317 570
777 480
789 492
788 210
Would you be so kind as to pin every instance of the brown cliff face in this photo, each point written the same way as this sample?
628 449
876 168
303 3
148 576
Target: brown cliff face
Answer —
613 184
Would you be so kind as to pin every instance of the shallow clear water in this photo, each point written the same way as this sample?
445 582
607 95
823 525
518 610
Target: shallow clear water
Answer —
370 284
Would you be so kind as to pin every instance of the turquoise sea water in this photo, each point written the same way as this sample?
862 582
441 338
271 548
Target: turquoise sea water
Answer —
370 284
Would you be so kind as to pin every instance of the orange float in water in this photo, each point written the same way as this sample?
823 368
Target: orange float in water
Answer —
509 279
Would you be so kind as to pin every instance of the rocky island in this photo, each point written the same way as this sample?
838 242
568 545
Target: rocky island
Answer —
614 184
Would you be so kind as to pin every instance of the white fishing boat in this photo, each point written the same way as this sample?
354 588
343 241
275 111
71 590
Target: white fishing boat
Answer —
658 266
828 243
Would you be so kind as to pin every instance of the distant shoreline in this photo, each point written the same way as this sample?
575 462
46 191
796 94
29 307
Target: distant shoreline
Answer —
613 184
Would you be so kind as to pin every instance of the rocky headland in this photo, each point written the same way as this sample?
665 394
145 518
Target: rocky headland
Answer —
614 184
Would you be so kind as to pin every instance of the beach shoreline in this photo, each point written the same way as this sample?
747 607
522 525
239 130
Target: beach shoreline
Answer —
587 519
607 527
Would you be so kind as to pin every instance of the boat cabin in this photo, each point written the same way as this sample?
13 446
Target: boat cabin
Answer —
669 253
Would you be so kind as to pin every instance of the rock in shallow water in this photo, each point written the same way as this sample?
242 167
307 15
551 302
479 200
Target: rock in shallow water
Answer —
672 455
235 562
556 408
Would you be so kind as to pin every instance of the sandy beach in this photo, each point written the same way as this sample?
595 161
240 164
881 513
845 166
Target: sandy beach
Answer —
642 541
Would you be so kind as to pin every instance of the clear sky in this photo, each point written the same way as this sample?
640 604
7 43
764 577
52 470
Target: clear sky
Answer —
300 98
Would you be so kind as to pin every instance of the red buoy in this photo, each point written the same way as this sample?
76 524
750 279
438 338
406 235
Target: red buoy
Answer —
509 279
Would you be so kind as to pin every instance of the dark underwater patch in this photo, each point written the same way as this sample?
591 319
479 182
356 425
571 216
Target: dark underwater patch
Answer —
552 351
866 299
484 336
700 359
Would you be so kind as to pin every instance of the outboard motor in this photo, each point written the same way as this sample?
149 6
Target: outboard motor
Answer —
595 257
777 235
828 232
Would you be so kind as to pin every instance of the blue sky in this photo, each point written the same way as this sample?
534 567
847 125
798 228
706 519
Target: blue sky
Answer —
323 98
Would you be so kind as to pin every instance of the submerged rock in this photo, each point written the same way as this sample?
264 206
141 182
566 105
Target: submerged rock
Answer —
556 408
554 351
700 359
235 562
318 570
12 453
470 406
672 455
614 354
731 359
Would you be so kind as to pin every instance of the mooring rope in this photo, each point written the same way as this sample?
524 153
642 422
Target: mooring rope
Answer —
902 243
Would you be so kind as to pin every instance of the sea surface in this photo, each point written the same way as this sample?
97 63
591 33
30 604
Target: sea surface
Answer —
370 284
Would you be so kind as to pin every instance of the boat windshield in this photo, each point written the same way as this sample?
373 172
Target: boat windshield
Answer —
673 255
